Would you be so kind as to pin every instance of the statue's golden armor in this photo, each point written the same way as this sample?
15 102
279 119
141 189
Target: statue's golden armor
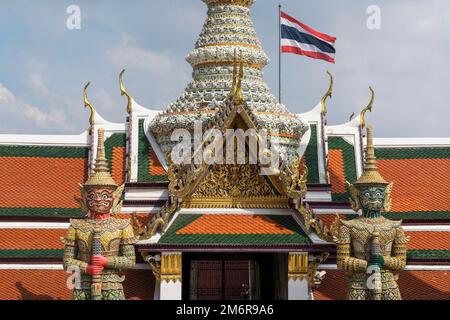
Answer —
116 238
354 252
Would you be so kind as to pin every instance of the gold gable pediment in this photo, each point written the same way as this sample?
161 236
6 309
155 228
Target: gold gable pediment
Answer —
235 186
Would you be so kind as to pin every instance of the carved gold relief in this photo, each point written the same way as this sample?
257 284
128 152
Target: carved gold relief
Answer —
234 181
171 267
294 183
298 266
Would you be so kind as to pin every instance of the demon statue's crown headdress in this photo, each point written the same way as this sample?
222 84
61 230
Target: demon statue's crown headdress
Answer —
371 177
100 177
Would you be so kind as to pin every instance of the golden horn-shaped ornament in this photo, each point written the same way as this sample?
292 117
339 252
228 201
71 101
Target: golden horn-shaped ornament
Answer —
87 104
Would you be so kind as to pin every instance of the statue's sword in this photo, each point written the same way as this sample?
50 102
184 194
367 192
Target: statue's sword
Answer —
96 281
376 250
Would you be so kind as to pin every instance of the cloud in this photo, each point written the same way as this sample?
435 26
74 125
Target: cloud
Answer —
42 119
127 53
6 96
14 111
162 74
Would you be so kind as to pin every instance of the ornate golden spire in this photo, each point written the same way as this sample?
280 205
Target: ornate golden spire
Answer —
371 174
101 176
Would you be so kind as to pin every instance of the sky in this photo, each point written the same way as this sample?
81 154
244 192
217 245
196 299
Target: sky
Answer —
44 65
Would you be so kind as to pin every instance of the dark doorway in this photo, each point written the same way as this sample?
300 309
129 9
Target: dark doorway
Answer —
234 276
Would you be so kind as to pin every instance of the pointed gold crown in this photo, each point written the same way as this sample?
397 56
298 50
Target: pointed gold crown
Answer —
371 176
100 175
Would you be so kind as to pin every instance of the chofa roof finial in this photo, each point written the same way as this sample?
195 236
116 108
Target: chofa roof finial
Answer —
87 104
328 94
124 92
368 108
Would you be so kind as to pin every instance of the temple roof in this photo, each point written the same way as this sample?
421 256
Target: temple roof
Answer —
234 229
421 181
41 180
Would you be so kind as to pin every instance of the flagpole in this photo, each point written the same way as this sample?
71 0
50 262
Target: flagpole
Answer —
279 52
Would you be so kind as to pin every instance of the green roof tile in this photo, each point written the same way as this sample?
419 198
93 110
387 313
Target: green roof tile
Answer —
31 254
429 215
311 157
41 212
412 153
143 158
298 237
429 254
44 152
348 151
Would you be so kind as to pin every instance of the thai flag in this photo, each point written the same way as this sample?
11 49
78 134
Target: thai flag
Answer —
298 38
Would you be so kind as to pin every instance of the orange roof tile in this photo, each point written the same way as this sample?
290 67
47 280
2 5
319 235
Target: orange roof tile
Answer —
35 239
414 285
419 184
336 170
41 182
118 164
156 169
51 285
428 240
234 224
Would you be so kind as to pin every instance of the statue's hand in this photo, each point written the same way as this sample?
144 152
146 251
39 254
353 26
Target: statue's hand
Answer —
99 261
377 260
94 270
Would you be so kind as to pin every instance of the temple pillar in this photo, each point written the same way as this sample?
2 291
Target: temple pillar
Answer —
170 286
298 280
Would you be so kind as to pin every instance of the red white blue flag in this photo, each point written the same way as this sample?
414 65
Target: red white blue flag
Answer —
298 38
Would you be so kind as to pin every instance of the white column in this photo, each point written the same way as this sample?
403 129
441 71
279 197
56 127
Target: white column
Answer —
171 279
298 280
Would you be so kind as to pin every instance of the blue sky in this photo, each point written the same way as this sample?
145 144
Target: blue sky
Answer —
44 65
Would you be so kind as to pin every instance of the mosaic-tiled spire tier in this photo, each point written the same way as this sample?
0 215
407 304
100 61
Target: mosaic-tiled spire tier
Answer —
228 29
